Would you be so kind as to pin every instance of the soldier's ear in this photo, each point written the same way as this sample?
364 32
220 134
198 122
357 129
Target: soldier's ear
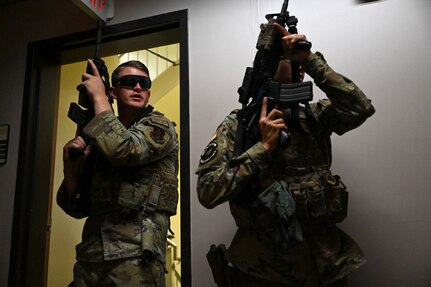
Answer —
113 92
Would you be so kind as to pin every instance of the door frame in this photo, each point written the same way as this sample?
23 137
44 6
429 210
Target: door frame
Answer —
31 222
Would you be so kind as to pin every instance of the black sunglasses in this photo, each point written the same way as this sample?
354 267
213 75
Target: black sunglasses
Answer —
130 81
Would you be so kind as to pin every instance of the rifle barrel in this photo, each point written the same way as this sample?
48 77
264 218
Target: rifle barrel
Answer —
98 38
284 7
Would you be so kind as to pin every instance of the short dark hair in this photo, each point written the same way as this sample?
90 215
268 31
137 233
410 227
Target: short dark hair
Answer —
133 63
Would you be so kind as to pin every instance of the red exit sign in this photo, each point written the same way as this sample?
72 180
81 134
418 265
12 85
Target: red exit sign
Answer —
98 9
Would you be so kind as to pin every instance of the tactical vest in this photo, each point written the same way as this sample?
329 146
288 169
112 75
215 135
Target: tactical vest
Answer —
130 189
150 187
304 166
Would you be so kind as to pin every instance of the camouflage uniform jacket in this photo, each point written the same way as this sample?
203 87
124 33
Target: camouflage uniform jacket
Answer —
259 248
128 167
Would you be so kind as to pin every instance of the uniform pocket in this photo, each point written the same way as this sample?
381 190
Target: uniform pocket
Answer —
154 235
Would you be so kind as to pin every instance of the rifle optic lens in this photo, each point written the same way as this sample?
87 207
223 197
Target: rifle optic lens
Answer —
130 81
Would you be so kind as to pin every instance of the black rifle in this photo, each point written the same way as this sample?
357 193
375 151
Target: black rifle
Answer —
259 81
83 112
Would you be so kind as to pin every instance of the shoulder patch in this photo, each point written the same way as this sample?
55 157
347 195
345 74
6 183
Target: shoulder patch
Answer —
158 135
209 152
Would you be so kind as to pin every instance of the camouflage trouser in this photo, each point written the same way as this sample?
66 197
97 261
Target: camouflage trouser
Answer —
136 272
240 279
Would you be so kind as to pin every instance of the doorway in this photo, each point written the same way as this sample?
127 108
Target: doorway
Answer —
32 218
65 232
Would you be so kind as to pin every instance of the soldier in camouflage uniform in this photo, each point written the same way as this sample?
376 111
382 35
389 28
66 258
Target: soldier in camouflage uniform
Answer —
124 181
285 201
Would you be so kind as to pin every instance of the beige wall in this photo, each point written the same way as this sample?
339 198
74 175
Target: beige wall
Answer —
65 230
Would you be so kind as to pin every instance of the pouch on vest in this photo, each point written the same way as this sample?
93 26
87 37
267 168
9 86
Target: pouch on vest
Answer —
153 196
162 195
337 198
156 193
131 196
326 202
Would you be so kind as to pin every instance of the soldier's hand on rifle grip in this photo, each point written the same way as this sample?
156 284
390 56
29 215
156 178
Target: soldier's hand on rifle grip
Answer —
290 44
270 126
74 154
